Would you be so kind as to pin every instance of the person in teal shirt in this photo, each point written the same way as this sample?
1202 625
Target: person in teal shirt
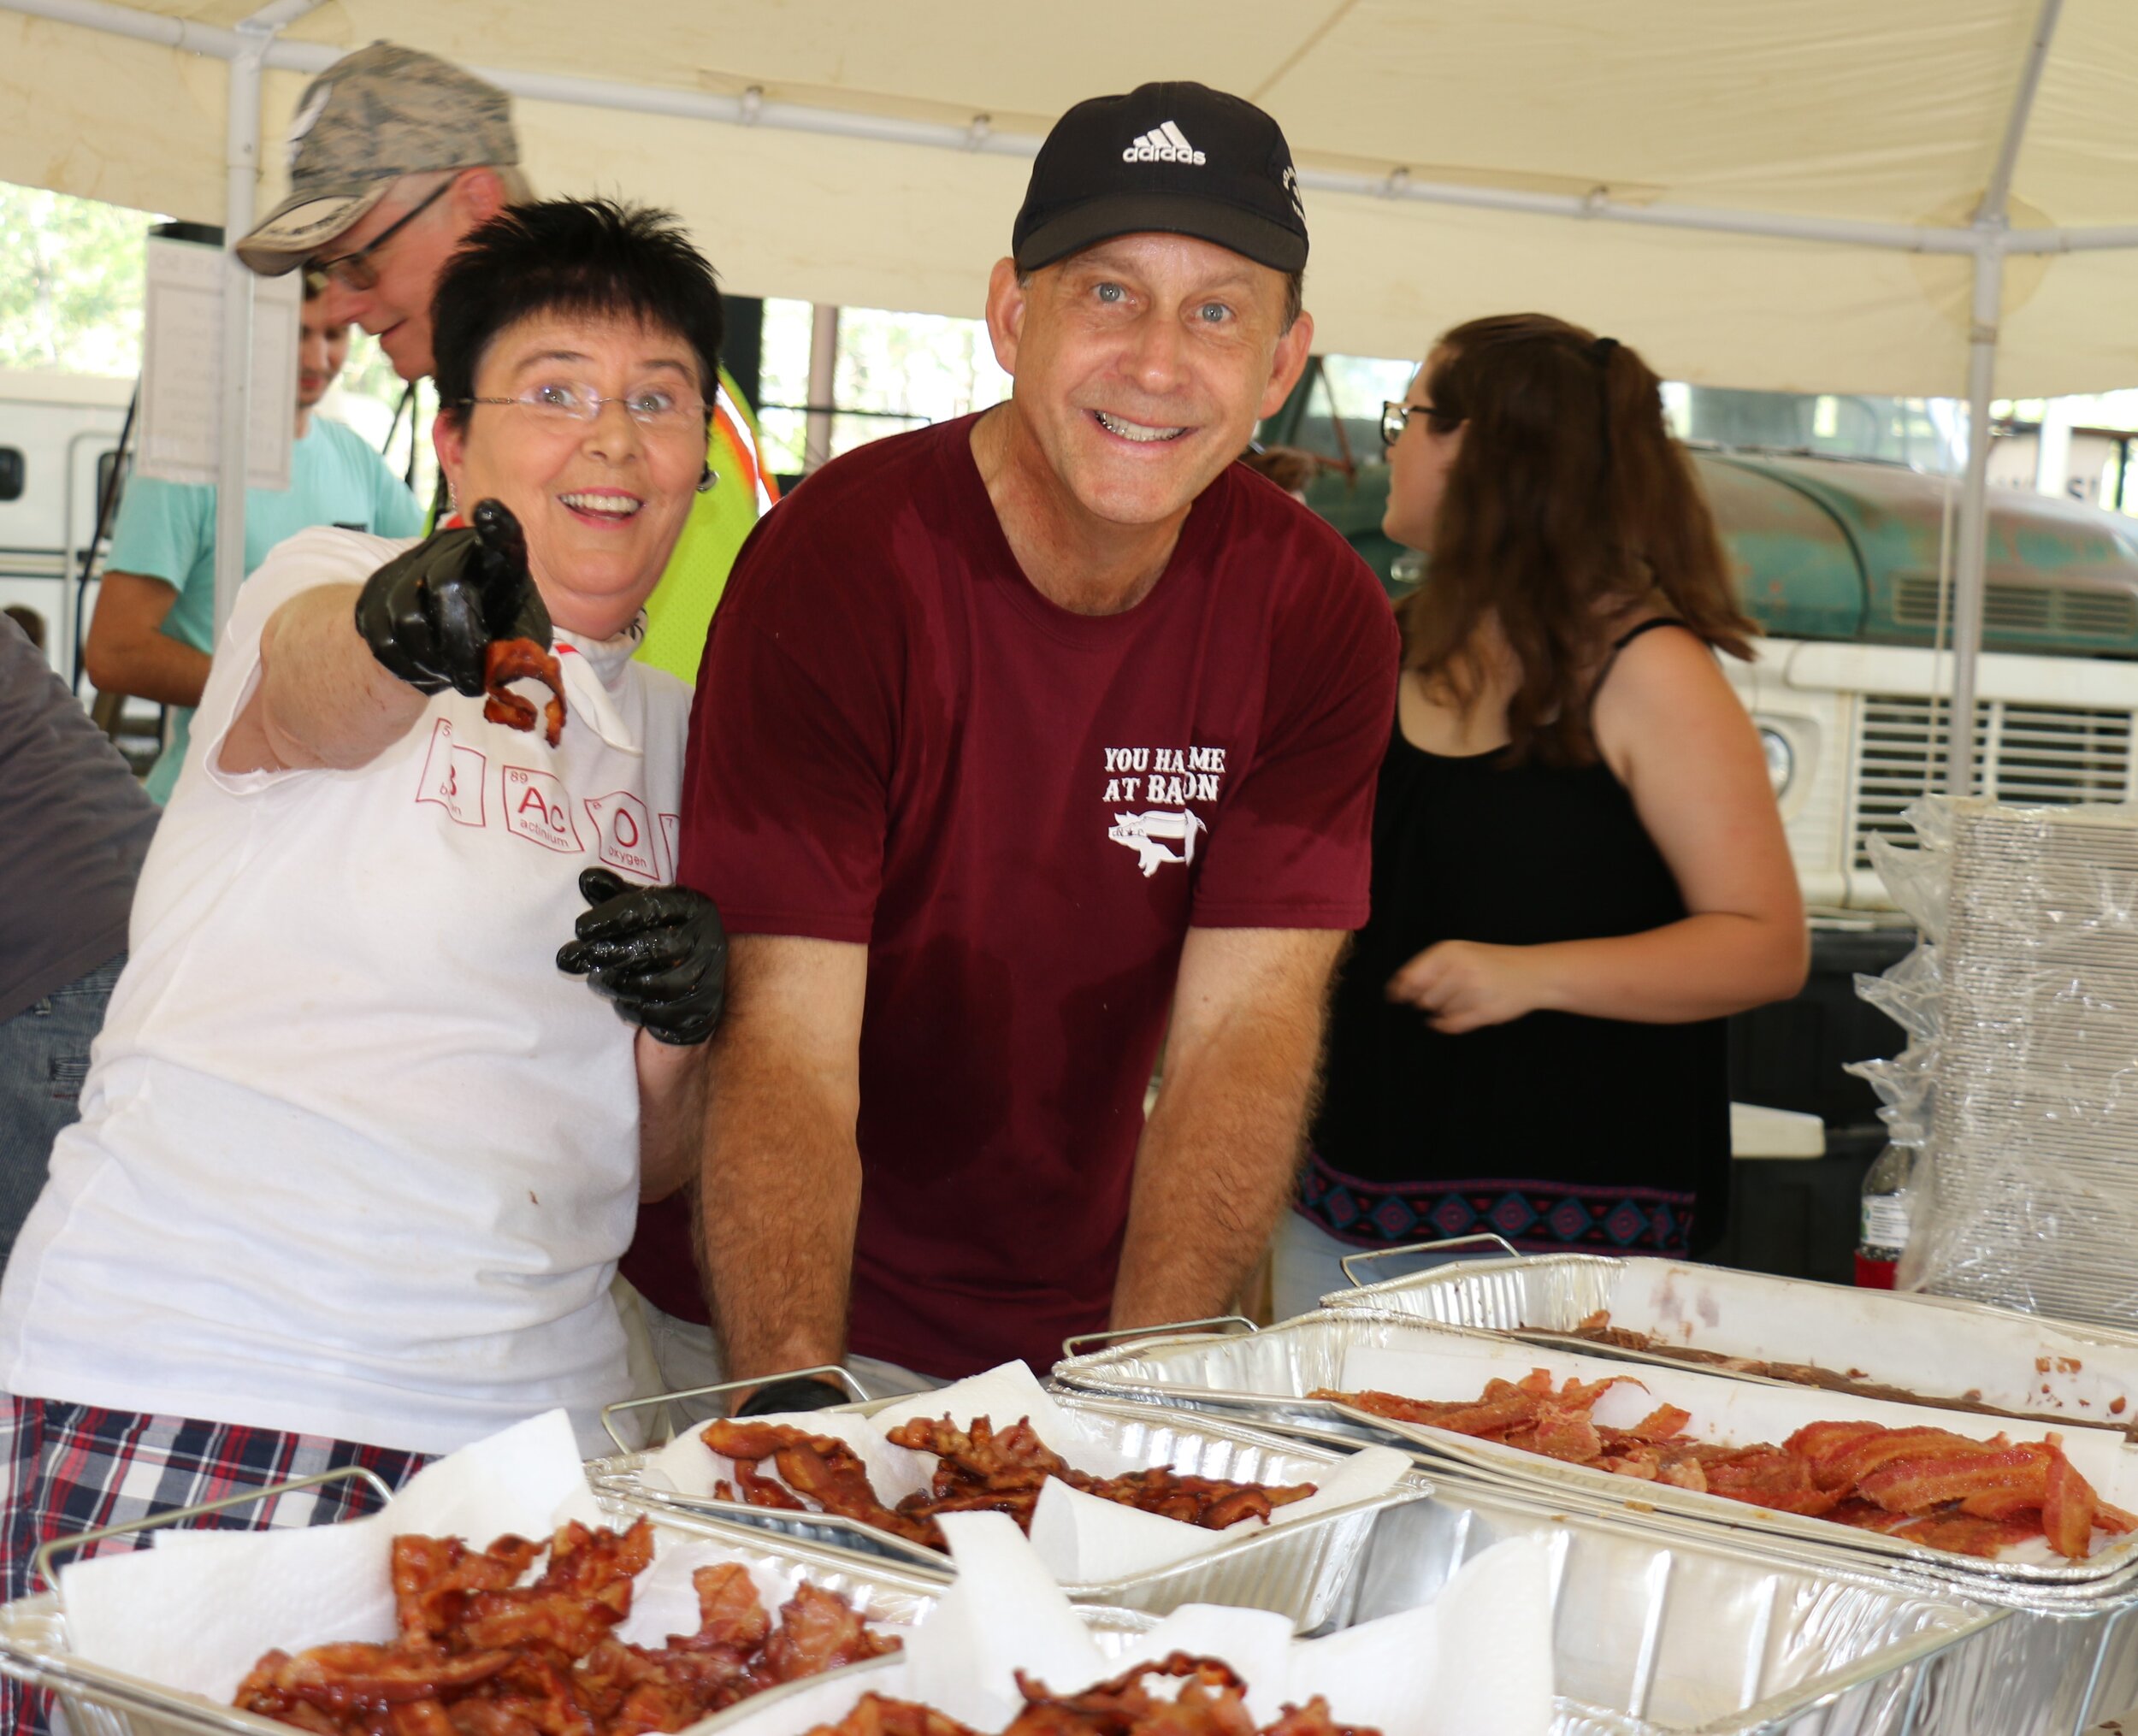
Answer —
154 626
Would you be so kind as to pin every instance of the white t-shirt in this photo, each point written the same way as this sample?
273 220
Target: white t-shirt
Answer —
356 1159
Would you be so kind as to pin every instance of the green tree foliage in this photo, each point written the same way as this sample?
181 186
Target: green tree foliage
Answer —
896 371
70 282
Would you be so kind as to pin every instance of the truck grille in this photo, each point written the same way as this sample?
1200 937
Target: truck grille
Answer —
2026 608
2023 754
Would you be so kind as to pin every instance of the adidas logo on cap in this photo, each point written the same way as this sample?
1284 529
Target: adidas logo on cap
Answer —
1166 144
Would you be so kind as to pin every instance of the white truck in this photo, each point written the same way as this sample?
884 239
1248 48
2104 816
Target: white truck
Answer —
59 436
1840 563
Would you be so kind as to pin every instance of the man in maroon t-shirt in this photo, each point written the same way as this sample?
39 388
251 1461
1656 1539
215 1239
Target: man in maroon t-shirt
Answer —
1015 736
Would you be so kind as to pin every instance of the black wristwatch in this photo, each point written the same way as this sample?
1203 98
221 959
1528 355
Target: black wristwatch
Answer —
793 1392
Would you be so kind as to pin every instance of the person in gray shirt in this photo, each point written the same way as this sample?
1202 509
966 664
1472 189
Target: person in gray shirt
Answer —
75 824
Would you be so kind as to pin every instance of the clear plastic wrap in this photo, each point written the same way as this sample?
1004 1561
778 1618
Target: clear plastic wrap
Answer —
2022 1087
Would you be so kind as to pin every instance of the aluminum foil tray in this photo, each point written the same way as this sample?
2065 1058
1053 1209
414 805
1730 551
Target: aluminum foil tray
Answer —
1934 1346
101 1701
1664 1638
1305 1570
1263 1379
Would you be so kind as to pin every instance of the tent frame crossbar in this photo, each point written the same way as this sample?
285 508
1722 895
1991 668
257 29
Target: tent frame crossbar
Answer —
254 47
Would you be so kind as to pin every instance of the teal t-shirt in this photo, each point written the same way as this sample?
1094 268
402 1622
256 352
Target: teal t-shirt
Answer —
166 531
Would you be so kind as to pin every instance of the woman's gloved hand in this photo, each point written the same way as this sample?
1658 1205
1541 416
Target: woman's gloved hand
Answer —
658 953
429 615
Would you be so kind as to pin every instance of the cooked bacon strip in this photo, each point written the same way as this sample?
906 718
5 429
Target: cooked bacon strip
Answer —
482 1655
1661 1424
2067 1506
1965 1535
1915 1484
729 1612
815 1468
1565 1431
1504 1407
875 1715
508 660
754 1491
435 1576
979 1469
1769 1477
1824 1442
1925 1483
1211 1702
1848 1466
818 1631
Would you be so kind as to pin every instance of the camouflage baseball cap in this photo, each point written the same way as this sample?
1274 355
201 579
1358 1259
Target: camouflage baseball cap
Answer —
371 117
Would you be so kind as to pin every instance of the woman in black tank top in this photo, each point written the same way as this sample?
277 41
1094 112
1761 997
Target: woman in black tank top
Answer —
1579 870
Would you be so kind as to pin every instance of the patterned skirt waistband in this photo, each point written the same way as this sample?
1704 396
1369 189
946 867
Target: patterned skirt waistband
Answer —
1538 1217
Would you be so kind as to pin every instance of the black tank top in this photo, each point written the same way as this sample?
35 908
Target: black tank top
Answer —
1556 1130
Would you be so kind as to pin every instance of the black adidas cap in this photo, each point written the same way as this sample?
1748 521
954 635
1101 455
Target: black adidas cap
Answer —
1181 159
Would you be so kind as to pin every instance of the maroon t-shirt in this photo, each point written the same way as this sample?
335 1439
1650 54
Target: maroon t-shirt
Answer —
1021 811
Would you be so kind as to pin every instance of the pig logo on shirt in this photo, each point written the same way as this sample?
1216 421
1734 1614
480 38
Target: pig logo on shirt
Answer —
1158 836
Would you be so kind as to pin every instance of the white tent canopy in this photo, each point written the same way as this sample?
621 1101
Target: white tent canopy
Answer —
1896 195
1880 122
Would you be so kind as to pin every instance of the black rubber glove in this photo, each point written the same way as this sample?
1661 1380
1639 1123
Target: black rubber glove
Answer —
658 953
794 1392
430 615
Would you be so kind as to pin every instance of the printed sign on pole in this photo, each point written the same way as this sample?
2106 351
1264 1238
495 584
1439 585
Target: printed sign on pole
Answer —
181 352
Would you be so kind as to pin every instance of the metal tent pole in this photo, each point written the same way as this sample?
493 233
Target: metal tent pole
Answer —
823 373
1974 539
241 163
1990 231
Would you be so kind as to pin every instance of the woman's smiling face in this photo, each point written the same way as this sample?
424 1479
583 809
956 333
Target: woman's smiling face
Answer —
602 501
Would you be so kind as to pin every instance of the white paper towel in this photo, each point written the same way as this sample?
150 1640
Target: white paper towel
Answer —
198 1616
1082 1540
1479 1659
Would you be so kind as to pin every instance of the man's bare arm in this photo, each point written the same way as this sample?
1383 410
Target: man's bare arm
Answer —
1220 1154
321 700
780 1192
672 1114
128 652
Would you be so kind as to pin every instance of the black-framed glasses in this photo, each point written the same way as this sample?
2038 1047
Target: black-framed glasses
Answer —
355 271
1395 415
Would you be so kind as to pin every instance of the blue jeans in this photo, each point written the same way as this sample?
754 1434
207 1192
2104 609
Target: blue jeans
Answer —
43 1057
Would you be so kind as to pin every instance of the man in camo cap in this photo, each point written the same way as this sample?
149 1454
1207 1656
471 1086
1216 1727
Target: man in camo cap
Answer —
394 157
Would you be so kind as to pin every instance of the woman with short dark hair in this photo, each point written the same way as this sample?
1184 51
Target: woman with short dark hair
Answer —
357 1158
1579 867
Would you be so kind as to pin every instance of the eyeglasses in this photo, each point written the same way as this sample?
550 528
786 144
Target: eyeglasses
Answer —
1394 416
355 270
561 402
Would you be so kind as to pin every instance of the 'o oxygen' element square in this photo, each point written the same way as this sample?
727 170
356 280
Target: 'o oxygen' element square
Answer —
624 834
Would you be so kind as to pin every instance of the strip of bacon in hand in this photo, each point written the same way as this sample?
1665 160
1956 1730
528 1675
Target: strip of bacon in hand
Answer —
508 660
